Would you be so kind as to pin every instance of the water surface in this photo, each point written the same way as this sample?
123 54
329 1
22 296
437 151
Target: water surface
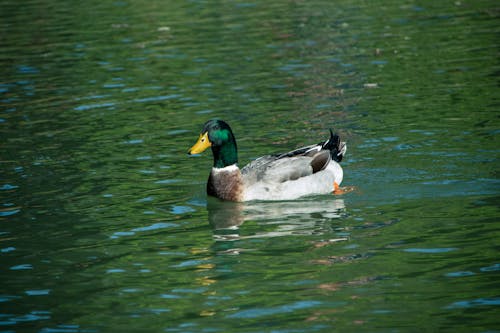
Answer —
105 224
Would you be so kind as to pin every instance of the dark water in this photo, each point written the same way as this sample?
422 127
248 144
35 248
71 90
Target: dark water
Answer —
104 223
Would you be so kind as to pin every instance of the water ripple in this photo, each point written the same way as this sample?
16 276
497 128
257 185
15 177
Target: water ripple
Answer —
169 296
25 69
7 298
9 212
181 210
430 250
493 268
189 290
474 303
167 181
460 274
156 98
189 263
32 316
86 107
21 267
7 249
40 292
7 187
65 329
155 226
254 313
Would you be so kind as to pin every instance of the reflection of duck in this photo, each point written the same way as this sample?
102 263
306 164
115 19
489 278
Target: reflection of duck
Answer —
224 214
308 170
306 216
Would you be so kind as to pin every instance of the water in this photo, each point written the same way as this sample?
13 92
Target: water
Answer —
105 226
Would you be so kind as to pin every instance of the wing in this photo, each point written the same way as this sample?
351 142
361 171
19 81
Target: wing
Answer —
283 168
297 163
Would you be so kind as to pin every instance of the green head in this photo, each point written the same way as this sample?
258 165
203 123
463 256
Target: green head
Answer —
218 135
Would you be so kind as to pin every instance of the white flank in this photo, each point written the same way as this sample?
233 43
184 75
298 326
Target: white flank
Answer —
317 183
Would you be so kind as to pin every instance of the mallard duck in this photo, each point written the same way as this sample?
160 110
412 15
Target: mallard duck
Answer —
314 169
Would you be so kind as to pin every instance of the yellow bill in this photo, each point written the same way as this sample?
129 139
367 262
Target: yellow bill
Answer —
201 145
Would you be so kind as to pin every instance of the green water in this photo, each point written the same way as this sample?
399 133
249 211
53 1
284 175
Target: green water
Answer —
104 221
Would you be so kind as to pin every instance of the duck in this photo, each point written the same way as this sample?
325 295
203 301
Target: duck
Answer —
305 171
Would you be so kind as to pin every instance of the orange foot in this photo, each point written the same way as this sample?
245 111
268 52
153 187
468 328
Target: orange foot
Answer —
337 190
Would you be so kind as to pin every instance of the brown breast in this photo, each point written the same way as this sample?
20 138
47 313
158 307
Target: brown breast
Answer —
225 184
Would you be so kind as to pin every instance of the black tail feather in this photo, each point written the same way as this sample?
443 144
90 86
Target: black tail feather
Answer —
334 145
